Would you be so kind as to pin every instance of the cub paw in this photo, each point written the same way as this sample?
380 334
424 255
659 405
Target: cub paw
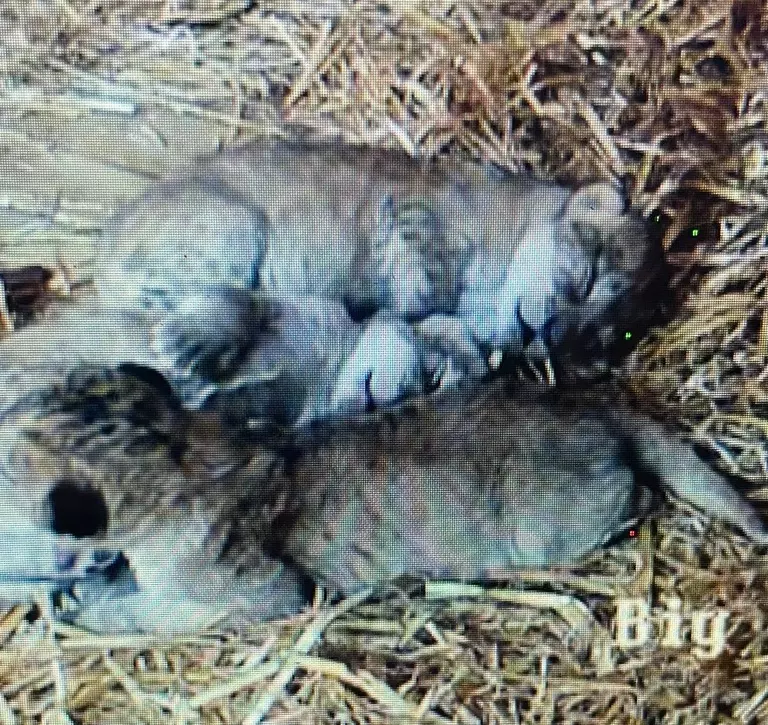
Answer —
384 367
208 334
450 356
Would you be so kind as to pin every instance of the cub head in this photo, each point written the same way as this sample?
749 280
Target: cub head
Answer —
627 289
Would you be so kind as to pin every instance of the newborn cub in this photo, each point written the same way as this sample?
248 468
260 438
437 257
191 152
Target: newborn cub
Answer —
260 356
138 516
527 266
468 487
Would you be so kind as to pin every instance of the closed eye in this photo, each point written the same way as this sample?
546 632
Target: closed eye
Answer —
434 380
579 292
370 403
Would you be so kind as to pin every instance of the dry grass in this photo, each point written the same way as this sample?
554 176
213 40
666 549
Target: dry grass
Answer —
99 98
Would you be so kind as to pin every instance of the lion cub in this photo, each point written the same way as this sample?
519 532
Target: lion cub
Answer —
254 357
528 267
140 516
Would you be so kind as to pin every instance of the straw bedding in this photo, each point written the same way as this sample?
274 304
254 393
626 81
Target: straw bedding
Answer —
99 99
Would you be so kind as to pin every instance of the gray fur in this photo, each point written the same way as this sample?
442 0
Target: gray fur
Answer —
292 360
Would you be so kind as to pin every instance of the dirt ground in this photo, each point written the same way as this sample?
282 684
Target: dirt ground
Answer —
99 99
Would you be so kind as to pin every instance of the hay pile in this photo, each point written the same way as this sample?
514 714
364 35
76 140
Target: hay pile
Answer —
98 99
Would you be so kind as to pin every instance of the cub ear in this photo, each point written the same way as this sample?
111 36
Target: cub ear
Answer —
596 201
148 376
495 171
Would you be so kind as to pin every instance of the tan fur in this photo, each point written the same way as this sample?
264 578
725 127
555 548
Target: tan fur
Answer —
207 523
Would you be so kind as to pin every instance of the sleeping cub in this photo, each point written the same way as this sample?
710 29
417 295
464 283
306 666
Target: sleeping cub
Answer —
528 267
254 357
155 519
